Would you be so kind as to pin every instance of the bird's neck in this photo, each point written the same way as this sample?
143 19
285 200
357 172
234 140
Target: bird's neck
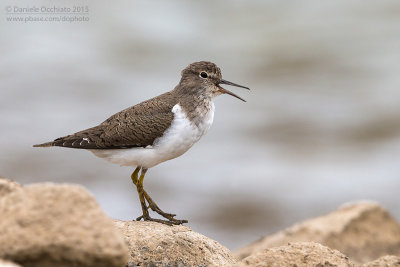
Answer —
196 107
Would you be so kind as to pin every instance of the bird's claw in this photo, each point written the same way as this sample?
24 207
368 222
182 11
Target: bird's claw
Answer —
169 222
143 197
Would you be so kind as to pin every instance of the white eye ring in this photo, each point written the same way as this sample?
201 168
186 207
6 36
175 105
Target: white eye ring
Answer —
203 75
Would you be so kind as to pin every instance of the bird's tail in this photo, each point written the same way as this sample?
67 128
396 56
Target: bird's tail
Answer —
44 144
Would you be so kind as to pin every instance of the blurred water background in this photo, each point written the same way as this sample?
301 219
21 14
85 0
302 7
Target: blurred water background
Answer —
321 126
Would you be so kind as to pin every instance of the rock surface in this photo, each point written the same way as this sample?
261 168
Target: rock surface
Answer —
303 254
154 244
8 186
363 231
385 261
62 225
57 225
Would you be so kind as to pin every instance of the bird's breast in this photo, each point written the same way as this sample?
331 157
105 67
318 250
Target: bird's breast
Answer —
184 132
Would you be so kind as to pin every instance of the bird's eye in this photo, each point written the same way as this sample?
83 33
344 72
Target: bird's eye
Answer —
203 74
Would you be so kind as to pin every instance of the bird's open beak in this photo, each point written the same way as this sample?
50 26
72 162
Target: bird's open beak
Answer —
224 91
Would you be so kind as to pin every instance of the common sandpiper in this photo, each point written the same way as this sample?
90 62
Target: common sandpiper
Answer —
156 130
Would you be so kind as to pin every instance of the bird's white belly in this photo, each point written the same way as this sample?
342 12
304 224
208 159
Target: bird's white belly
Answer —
177 139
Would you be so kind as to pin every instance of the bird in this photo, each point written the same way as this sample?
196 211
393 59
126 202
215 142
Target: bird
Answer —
156 130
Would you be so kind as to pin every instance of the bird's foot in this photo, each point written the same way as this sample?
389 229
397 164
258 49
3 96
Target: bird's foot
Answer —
154 207
167 222
143 197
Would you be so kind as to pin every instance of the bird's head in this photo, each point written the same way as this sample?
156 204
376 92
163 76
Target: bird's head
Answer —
205 78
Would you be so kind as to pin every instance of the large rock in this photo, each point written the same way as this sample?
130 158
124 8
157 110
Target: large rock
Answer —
155 244
386 261
297 254
363 231
58 225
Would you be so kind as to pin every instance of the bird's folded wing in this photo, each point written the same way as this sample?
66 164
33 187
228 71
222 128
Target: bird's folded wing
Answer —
123 130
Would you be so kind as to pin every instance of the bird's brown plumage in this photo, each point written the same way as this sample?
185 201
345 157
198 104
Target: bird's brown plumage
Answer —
137 126
142 124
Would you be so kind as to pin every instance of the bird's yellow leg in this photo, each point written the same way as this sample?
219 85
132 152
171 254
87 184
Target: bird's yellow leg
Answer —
140 190
135 180
135 175
143 196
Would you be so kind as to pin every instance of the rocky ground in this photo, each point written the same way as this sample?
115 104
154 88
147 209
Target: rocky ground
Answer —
62 225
